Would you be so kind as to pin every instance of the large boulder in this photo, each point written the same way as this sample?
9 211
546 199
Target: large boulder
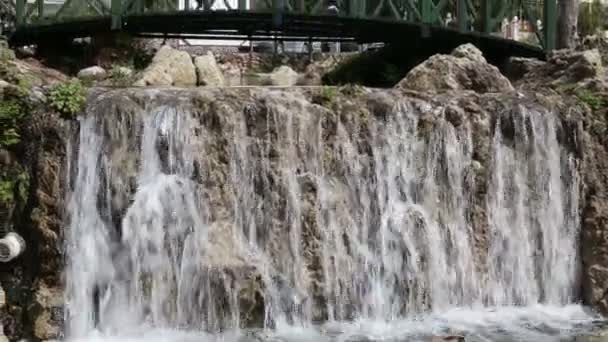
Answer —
169 67
94 73
208 72
464 69
575 66
564 69
284 76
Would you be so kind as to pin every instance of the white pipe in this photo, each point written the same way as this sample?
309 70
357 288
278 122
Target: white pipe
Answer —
11 246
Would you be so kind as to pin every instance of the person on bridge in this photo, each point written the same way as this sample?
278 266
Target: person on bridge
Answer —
332 9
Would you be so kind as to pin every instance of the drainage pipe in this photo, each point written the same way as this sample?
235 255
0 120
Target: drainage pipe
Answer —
11 246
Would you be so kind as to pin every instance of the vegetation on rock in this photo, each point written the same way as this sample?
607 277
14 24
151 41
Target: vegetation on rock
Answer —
67 97
594 100
12 186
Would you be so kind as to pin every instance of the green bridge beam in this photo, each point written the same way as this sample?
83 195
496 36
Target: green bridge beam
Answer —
483 15
549 24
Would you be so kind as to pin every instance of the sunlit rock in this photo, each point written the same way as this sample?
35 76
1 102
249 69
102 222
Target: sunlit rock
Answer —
208 72
169 67
464 69
94 73
283 76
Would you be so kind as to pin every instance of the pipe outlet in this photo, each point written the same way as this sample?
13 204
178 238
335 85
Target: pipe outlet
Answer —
11 246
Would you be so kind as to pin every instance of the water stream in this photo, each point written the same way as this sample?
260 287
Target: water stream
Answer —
349 229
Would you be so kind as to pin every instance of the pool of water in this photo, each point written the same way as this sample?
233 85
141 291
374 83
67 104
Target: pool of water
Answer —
571 323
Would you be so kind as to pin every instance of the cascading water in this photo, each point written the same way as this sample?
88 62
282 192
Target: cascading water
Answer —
205 219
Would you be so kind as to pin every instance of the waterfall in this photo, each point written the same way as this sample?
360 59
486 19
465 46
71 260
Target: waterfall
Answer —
279 214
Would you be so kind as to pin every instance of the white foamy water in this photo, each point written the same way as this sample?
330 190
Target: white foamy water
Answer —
189 226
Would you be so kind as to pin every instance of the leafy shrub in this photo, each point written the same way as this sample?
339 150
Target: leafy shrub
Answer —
14 187
326 96
121 76
593 100
6 190
11 112
68 97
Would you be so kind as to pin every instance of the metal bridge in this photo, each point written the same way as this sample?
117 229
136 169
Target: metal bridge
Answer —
364 21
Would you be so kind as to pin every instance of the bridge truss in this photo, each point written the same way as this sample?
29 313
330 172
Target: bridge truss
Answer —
483 17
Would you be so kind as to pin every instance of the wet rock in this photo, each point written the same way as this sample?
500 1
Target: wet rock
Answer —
47 312
94 73
283 76
448 339
169 67
600 336
208 72
464 69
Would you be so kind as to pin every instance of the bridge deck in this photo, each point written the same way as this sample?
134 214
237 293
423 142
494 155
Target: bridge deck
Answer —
409 22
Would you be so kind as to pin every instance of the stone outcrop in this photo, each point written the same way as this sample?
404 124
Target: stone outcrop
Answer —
93 73
31 176
565 71
464 69
169 67
283 76
208 72
594 203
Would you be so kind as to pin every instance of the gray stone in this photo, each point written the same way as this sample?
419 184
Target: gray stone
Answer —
284 76
94 73
208 72
575 66
169 67
464 69
469 51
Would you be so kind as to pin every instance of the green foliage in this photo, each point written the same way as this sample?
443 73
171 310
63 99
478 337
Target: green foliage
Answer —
120 76
6 190
590 17
6 53
11 111
593 100
14 185
67 97
326 96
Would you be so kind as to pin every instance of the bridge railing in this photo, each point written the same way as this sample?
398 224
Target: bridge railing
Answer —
536 18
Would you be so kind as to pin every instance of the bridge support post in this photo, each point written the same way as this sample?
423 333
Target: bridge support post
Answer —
20 12
116 9
486 11
40 5
549 24
426 11
463 15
